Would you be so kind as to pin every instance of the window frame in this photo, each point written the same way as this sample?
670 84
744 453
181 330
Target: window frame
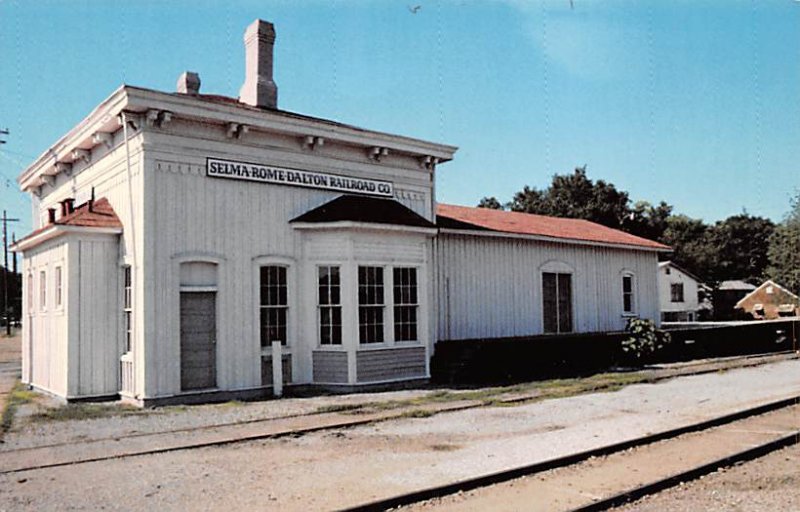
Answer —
379 307
557 272
330 306
672 295
286 307
58 287
398 306
127 309
633 295
43 290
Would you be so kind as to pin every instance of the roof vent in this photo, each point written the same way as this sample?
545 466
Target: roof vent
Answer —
259 89
189 83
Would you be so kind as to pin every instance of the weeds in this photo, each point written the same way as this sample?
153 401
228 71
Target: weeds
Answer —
19 395
77 412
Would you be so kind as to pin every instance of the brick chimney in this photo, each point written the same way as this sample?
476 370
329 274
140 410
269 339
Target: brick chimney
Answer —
259 89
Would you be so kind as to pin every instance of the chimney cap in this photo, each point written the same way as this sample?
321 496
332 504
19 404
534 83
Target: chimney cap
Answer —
189 83
260 28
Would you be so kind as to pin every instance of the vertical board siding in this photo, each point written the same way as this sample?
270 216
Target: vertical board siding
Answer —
266 369
390 364
491 287
98 344
330 367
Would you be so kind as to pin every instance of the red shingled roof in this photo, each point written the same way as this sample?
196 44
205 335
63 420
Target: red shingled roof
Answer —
101 215
463 217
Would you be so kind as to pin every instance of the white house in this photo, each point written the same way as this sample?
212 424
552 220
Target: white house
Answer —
678 293
182 239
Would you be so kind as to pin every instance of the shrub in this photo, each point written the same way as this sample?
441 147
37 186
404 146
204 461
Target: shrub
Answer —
644 338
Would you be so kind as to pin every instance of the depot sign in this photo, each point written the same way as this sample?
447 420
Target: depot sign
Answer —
282 176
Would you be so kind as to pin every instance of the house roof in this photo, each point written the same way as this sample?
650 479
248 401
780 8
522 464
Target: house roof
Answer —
97 215
672 264
736 284
364 209
768 282
540 226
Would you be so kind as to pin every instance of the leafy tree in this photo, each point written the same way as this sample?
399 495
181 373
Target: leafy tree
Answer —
689 239
784 250
575 196
490 202
646 220
740 243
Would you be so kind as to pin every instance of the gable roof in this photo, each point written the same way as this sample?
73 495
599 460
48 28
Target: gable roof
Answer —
97 215
670 263
539 226
768 282
364 209
736 284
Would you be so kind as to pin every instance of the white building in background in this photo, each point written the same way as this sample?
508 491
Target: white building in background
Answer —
679 294
182 239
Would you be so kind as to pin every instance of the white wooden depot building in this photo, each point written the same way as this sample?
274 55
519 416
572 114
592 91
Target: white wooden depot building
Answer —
181 239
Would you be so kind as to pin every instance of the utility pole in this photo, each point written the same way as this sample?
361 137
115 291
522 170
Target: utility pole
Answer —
7 312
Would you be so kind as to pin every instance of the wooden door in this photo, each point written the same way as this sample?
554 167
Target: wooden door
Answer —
198 340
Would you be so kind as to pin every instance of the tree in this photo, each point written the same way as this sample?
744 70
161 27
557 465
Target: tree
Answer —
490 202
575 196
784 250
646 220
740 243
689 239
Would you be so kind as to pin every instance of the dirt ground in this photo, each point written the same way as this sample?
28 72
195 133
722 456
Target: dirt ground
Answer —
768 484
10 365
333 469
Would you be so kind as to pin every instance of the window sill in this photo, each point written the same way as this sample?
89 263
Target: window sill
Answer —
629 315
383 346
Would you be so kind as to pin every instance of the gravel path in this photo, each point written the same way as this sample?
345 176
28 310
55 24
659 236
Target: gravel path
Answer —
768 484
333 469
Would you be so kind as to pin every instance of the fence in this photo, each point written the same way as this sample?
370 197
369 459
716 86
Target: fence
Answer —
508 360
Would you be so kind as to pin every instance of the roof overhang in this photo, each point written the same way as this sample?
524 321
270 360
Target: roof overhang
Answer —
550 239
56 230
149 105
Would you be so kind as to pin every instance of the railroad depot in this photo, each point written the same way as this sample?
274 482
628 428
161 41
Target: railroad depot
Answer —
190 246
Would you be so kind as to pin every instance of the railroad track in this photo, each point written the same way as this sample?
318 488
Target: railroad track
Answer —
613 475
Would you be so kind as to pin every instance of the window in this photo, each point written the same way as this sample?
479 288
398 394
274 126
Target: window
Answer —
370 304
42 290
330 305
58 287
676 292
405 304
770 290
628 299
273 305
557 301
127 308
30 294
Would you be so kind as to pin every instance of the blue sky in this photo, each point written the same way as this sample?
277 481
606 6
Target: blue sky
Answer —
693 102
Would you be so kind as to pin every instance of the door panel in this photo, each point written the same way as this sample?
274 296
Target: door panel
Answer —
198 340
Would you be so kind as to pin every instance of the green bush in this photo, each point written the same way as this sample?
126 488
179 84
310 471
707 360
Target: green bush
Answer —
644 338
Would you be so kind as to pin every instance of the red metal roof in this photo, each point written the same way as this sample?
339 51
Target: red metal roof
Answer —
464 217
101 215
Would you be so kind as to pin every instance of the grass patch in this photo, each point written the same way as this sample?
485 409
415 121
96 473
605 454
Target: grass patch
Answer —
19 395
324 409
417 413
80 411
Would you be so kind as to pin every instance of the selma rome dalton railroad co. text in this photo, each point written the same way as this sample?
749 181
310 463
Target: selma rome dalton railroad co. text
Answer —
295 177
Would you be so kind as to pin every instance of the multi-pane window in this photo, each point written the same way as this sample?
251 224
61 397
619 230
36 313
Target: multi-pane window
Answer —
330 305
370 304
127 307
557 302
676 292
42 289
58 287
405 303
274 305
628 303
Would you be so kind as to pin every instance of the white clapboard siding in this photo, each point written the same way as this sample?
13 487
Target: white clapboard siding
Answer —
491 287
